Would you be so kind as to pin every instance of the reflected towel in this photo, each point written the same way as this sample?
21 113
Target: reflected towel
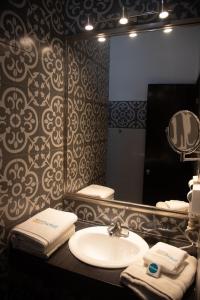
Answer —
170 287
98 191
43 232
178 205
171 259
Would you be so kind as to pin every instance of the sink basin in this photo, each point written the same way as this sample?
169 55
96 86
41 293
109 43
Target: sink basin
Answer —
94 246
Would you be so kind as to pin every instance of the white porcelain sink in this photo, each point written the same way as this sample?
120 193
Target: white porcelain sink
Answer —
94 246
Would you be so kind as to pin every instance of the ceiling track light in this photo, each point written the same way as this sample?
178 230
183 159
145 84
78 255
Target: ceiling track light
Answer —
123 20
164 13
89 26
133 18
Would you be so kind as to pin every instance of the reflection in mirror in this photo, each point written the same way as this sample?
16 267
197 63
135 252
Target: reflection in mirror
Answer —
184 132
183 135
145 80
151 78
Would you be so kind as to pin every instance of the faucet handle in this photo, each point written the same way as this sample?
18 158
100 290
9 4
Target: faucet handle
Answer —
116 229
124 231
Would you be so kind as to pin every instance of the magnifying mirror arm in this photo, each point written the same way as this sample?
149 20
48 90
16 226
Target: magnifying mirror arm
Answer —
190 157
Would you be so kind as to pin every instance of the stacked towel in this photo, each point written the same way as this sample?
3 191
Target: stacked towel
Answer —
98 191
168 287
178 205
177 273
169 258
43 233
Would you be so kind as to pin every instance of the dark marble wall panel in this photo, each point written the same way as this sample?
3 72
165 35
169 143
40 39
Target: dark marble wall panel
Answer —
88 75
101 11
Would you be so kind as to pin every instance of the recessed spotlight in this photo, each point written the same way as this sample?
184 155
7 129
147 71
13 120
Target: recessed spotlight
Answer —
101 39
167 30
132 34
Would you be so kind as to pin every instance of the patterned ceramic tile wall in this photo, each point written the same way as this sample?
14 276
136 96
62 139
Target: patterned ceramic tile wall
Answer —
88 75
31 109
77 12
32 80
127 114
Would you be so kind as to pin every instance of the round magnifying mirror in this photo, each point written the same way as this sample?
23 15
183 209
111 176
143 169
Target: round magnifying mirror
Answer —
184 132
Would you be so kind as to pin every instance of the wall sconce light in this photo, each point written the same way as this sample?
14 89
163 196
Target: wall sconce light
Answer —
133 34
163 14
89 26
123 20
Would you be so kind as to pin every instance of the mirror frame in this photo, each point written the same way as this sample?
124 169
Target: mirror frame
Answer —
124 30
136 207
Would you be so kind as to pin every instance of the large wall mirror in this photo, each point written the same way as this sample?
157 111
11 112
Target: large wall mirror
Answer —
117 83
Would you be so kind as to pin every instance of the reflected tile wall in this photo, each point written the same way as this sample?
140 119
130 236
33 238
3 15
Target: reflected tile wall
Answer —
127 114
87 113
147 222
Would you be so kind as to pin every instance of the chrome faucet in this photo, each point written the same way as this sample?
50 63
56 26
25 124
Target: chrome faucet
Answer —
117 229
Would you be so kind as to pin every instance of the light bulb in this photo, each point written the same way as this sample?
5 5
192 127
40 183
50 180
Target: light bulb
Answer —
123 20
163 14
101 39
89 26
167 30
132 34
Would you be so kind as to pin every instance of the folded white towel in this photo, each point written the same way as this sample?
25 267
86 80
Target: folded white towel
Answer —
44 231
98 191
170 258
33 247
170 287
178 205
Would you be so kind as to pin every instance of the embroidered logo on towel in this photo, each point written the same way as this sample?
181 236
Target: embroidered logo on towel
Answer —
162 252
39 221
